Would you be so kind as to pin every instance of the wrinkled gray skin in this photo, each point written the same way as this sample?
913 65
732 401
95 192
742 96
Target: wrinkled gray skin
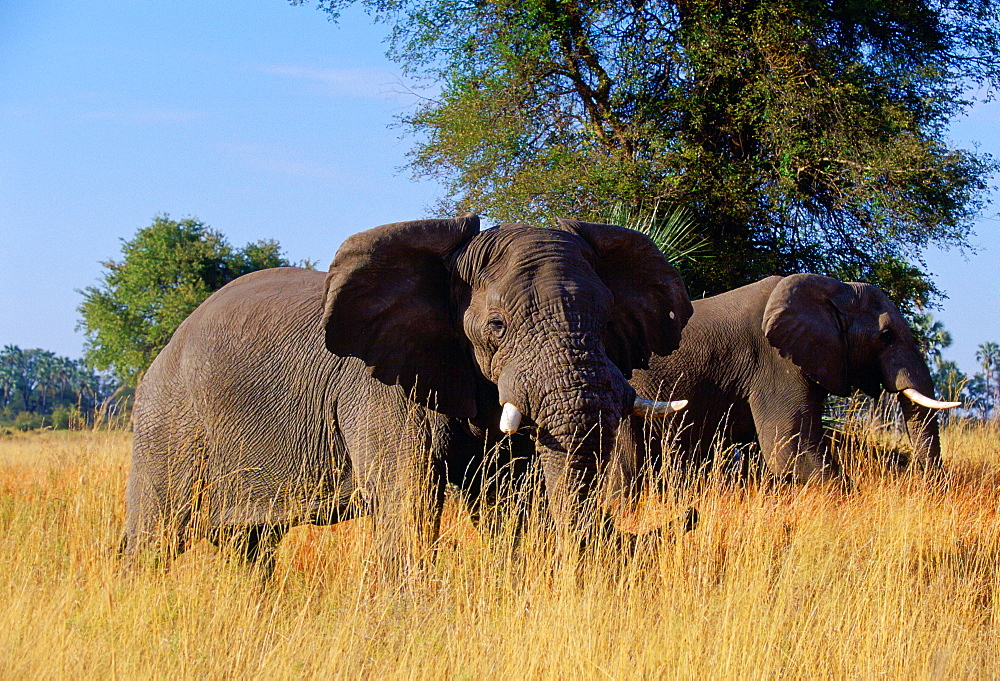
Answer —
288 397
757 363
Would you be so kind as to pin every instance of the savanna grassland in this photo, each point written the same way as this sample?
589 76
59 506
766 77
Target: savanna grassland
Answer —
900 579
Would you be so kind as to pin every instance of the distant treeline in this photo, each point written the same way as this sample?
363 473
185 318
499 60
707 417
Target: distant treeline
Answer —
39 388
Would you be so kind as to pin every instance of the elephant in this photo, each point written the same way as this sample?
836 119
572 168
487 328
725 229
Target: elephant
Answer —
759 361
291 396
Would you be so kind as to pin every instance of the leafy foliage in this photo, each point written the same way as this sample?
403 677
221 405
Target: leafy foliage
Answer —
804 135
166 271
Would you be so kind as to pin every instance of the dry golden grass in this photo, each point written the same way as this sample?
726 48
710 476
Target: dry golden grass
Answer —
899 579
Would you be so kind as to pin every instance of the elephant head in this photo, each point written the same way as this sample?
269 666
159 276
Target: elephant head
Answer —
511 322
847 336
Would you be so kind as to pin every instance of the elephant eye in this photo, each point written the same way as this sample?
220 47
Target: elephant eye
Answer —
887 336
497 326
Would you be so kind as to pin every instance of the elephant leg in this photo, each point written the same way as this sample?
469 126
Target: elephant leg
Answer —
159 543
406 511
160 501
261 547
156 532
790 432
256 545
398 451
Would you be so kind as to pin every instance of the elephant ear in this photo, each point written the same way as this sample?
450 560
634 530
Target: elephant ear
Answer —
651 302
806 319
388 303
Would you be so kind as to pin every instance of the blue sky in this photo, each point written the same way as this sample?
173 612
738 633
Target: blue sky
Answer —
261 119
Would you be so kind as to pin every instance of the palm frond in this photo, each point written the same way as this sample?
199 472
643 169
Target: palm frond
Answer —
673 231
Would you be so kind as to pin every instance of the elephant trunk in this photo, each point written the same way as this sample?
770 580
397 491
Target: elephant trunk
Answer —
919 414
576 433
922 427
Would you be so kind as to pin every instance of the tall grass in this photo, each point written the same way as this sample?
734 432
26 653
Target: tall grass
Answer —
898 579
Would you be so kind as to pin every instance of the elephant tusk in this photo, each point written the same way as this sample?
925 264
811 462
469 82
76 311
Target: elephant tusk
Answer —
918 397
510 419
655 409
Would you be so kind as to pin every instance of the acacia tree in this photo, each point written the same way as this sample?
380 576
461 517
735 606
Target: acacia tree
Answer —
805 135
166 271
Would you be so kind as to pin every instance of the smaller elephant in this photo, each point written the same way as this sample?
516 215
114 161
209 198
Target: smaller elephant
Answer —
758 362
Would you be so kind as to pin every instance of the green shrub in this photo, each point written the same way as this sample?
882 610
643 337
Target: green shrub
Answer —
67 417
27 420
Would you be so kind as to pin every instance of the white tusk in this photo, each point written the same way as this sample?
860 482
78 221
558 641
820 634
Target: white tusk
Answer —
918 397
510 419
655 409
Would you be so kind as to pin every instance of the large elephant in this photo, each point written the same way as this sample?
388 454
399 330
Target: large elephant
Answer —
758 362
291 397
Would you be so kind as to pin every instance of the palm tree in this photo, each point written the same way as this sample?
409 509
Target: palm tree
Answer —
949 380
932 336
8 379
48 379
85 386
673 231
15 378
988 355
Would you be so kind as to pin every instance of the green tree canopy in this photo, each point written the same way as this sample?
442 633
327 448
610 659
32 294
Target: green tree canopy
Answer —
805 135
165 272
